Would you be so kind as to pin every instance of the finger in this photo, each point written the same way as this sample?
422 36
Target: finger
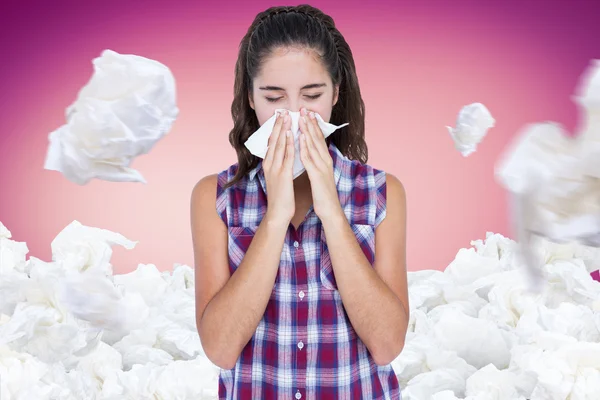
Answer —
304 155
308 130
290 151
280 146
313 153
273 140
318 137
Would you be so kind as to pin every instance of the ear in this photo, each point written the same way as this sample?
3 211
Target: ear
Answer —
251 101
336 93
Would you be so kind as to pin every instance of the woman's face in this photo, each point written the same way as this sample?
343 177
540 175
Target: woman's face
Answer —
292 79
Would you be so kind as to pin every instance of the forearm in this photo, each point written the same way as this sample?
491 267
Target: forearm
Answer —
376 313
232 316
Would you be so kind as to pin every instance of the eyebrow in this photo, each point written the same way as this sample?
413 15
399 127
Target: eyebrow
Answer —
310 86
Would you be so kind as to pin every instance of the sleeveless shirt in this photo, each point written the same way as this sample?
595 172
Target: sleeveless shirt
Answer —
305 347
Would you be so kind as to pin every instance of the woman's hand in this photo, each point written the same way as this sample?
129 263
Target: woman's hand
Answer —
317 161
278 165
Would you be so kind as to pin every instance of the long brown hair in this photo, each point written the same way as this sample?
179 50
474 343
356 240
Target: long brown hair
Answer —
309 27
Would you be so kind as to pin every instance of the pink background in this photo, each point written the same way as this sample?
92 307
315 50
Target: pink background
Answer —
418 62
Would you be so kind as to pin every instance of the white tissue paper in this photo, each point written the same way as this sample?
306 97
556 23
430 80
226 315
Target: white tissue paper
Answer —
258 142
70 329
128 105
554 179
64 335
472 124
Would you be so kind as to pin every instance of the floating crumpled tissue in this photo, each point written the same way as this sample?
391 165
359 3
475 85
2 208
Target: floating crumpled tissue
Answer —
587 96
128 105
472 124
258 142
554 179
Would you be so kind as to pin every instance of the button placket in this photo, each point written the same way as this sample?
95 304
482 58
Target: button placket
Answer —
301 281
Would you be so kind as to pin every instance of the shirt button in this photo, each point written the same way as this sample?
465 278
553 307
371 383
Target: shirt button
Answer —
296 244
298 395
301 294
300 345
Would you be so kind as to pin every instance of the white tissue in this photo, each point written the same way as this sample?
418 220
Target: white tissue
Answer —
538 347
472 124
258 142
128 105
70 329
93 297
554 180
587 96
474 332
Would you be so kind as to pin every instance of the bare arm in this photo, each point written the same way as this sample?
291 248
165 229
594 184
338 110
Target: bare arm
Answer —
229 307
375 298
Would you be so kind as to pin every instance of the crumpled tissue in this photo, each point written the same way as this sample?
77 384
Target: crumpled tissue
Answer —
472 124
70 329
554 179
128 105
537 347
480 296
258 142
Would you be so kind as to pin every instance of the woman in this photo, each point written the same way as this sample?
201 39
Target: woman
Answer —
290 298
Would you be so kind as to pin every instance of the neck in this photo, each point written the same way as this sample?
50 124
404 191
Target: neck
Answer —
302 181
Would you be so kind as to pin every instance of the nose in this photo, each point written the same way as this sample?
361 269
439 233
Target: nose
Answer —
296 106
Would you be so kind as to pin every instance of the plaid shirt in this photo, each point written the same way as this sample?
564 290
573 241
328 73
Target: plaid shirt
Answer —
305 346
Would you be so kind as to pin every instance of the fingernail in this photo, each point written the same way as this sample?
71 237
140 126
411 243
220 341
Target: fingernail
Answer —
286 118
303 111
304 118
288 133
312 115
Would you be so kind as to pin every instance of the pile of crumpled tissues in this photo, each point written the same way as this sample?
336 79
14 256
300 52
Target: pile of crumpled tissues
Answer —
70 329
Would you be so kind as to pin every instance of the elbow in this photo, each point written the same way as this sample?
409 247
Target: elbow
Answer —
391 348
388 353
219 359
215 353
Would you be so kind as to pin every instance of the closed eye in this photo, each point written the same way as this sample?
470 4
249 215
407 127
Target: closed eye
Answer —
310 97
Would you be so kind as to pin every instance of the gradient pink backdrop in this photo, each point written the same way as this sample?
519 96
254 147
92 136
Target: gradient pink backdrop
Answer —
418 62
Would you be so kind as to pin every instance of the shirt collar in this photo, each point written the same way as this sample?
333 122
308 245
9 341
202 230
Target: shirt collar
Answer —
341 166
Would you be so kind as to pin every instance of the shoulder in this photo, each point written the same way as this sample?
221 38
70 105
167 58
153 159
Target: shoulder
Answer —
384 181
391 194
209 199
211 186
395 199
214 182
205 189
395 188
